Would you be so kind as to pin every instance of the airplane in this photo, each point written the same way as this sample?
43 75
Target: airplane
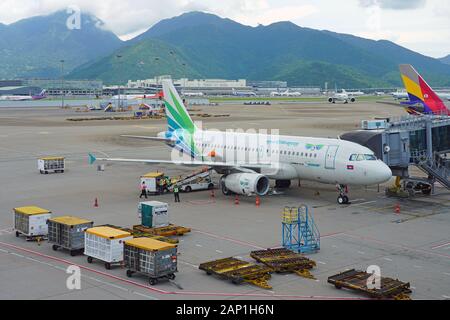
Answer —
356 93
137 96
193 94
422 98
343 96
243 93
286 93
40 96
246 165
400 95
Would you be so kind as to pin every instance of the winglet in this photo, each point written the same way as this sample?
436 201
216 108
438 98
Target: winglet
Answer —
92 158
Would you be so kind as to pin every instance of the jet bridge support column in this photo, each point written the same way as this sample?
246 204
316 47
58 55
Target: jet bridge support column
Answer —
429 134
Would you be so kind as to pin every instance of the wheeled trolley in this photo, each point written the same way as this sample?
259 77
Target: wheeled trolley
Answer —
51 165
68 233
152 258
105 244
31 222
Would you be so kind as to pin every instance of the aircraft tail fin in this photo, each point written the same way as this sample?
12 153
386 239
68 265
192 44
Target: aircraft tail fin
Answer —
420 92
176 112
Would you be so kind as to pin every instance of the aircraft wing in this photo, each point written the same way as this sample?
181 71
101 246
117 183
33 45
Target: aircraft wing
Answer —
149 138
238 167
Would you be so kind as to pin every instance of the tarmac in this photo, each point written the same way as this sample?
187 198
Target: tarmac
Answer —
412 246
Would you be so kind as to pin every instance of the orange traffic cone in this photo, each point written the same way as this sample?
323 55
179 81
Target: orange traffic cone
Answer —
258 201
397 209
96 203
213 194
236 200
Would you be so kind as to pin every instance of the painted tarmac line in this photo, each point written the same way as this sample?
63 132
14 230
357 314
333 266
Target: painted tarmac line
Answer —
441 245
190 293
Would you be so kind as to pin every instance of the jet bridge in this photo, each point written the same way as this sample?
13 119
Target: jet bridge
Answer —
420 141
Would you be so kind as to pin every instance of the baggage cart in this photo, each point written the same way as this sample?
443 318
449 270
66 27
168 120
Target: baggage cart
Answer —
51 164
357 280
152 258
105 244
31 222
68 233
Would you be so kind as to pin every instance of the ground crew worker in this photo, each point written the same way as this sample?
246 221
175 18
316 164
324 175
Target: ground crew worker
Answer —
161 186
176 193
167 184
143 191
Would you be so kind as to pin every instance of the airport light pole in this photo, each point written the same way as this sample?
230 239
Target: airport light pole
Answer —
118 87
62 84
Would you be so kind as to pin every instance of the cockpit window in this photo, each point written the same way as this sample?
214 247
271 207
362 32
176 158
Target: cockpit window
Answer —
370 157
362 157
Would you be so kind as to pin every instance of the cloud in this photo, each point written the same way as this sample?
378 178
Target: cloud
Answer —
393 4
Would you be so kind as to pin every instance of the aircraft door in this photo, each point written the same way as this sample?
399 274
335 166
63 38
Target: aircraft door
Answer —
330 158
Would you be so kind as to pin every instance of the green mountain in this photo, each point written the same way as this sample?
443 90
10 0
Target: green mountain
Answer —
445 59
213 47
34 47
148 57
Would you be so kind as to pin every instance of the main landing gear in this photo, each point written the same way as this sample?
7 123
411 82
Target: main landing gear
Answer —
343 191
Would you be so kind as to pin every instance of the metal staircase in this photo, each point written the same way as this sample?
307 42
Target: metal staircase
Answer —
437 168
300 233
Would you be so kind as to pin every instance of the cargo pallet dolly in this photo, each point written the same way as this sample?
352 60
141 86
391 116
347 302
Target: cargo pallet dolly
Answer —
51 164
152 258
357 280
285 261
68 233
140 234
105 244
31 222
239 271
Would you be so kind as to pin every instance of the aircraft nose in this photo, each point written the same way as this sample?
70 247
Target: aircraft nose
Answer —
383 172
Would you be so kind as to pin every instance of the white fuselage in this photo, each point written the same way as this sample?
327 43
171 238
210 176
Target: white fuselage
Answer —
16 98
330 161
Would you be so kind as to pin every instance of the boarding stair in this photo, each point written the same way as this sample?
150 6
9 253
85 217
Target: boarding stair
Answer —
437 168
300 232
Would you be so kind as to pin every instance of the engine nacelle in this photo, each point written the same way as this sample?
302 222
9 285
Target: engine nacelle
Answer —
246 183
330 100
352 100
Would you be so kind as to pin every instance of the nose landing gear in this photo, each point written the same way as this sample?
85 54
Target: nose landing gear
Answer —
343 191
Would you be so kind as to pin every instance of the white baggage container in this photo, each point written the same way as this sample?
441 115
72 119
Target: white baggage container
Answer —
51 164
31 221
105 244
154 214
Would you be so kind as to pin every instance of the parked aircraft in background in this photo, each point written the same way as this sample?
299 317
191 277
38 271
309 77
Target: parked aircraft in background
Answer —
247 161
355 93
40 96
243 93
286 93
400 95
343 96
193 94
137 96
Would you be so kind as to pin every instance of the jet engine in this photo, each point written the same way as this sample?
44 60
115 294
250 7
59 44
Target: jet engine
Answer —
352 99
245 184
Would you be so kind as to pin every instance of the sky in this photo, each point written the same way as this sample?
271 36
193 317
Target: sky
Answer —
420 25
